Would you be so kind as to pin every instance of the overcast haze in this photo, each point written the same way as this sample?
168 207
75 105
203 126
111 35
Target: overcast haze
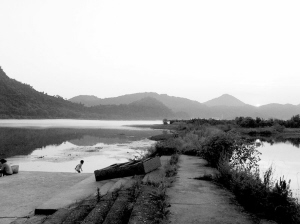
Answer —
193 49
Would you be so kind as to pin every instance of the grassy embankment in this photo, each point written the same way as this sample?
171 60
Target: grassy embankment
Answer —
153 192
236 159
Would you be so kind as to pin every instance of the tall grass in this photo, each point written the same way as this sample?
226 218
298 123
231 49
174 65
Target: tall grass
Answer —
264 197
268 198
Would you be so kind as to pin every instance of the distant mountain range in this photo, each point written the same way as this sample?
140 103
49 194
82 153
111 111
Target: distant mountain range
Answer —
179 105
18 100
223 107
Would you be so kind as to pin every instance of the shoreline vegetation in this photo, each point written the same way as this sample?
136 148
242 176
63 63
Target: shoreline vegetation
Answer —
229 147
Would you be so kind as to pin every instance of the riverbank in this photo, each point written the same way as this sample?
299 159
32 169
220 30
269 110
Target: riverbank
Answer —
188 200
236 157
120 200
21 193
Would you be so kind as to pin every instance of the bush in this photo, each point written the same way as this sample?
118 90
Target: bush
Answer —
215 146
192 141
171 166
190 144
174 159
168 147
249 190
278 127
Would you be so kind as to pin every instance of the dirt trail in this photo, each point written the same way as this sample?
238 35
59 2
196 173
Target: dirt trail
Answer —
198 201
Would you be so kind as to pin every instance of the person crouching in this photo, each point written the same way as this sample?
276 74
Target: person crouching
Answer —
78 168
5 168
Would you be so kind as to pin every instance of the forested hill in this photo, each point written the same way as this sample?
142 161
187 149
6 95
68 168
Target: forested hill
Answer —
18 100
148 107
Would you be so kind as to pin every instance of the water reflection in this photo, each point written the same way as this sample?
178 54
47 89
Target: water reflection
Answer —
283 156
20 141
293 140
60 149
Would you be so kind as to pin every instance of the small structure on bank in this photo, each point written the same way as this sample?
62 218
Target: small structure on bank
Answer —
165 121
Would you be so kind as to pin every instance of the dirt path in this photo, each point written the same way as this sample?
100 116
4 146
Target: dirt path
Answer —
198 201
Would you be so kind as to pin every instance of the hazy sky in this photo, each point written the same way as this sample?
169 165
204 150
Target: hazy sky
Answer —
193 49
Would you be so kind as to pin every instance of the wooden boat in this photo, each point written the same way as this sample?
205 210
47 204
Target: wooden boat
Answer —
128 169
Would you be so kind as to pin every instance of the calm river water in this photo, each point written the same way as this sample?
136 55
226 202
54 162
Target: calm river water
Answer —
284 157
59 145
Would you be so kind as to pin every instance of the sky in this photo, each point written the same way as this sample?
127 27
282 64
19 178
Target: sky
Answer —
193 49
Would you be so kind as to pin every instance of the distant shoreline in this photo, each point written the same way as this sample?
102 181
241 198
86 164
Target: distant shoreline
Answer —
155 126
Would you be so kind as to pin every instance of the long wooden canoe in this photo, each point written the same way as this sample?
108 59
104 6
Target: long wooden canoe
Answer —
128 169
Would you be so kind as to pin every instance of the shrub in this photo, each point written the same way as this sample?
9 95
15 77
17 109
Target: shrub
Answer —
278 127
190 144
205 131
213 147
244 157
171 166
174 159
248 189
170 170
169 147
224 127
